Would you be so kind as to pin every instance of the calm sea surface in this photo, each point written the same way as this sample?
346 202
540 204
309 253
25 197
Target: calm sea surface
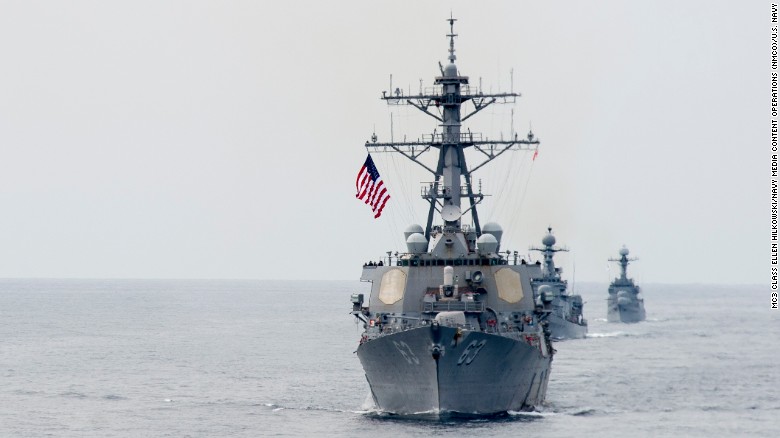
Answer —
96 358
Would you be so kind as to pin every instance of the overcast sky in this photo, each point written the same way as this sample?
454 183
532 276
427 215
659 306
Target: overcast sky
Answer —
193 139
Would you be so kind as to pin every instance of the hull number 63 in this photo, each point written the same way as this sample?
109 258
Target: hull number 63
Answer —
471 352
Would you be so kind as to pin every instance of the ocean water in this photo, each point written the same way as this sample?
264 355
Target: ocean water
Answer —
179 358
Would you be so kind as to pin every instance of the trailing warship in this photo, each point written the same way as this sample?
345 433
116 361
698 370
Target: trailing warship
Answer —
451 326
624 303
565 320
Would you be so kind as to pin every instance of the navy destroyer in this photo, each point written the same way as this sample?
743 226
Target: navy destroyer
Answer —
451 325
625 303
565 320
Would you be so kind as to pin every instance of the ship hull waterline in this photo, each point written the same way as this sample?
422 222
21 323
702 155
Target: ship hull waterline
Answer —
626 315
562 329
475 373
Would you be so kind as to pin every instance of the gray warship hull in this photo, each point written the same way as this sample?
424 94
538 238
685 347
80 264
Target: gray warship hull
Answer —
475 373
565 320
625 303
451 325
561 328
621 313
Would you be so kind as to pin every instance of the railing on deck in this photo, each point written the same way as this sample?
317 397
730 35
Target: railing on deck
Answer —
455 306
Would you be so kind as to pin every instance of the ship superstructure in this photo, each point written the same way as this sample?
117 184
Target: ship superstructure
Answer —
566 320
451 326
625 304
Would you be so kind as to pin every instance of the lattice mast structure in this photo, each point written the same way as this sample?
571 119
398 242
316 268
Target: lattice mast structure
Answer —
452 178
549 271
624 260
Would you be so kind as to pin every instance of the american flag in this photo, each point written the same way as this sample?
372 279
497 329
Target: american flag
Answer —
370 187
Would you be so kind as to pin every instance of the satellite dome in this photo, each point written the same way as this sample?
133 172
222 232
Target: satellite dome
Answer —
416 243
624 251
411 229
487 243
450 70
493 229
548 240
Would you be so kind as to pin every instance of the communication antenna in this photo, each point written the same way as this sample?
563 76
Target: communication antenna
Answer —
511 80
391 128
512 125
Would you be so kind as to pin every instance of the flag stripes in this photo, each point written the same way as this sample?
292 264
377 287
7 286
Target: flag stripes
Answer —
370 187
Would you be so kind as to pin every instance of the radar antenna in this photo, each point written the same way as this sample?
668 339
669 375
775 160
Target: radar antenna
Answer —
624 261
452 36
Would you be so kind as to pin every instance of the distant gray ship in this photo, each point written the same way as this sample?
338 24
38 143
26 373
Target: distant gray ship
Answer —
452 326
625 303
566 320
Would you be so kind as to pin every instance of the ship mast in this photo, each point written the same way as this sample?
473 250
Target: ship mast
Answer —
450 93
550 272
623 260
